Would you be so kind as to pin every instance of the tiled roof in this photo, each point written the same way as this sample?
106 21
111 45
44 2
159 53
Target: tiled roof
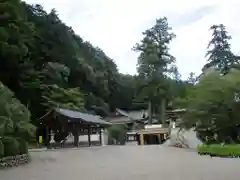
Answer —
75 115
133 115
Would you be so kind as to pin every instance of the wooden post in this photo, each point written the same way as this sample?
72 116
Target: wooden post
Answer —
141 139
138 139
100 135
89 136
161 138
76 135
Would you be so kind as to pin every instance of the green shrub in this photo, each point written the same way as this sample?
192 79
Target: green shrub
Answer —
117 132
11 146
230 150
14 122
1 148
23 147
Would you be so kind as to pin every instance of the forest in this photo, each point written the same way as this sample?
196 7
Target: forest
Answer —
45 64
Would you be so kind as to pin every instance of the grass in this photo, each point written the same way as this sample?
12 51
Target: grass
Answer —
230 150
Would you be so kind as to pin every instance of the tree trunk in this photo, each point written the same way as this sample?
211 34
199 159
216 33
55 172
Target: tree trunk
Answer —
163 109
149 112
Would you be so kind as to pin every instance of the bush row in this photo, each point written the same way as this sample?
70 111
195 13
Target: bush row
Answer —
10 147
219 150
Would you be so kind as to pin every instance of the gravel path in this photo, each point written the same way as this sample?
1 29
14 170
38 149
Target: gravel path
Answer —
192 139
190 136
124 163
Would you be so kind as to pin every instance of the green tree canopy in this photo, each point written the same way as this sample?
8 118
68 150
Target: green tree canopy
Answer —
154 62
213 105
15 124
219 52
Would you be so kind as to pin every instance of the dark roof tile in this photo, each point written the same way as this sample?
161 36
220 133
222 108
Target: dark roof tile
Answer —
81 116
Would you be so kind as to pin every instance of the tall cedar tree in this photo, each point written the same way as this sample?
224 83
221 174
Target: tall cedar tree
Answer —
154 61
219 54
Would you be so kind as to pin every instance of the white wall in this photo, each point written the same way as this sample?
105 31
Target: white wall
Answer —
84 138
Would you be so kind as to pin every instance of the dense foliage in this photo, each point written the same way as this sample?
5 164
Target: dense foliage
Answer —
213 105
213 101
15 125
45 63
43 58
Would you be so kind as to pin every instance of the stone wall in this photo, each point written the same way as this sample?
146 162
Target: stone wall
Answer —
13 161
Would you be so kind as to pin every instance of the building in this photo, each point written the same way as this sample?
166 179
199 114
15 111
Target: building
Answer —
63 125
132 119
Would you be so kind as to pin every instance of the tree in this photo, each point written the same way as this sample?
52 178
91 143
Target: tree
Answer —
70 98
220 56
192 78
15 125
49 57
117 132
213 106
175 73
154 63
15 37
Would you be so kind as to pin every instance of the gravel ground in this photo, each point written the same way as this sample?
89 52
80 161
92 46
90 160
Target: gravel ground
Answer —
190 137
124 163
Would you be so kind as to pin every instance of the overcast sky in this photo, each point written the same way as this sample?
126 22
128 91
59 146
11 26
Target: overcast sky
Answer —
116 25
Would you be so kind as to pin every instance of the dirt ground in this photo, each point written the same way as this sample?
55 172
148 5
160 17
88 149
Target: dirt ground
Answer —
124 163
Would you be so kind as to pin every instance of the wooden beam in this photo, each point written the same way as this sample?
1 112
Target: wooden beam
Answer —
89 136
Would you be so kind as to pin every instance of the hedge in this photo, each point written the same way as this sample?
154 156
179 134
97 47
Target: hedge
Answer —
12 147
1 148
13 152
229 150
23 147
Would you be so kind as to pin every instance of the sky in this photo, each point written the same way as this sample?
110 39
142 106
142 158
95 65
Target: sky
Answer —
117 25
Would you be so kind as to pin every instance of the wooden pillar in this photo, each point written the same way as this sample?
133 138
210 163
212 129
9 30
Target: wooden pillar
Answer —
76 135
138 139
89 136
100 135
141 139
161 138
